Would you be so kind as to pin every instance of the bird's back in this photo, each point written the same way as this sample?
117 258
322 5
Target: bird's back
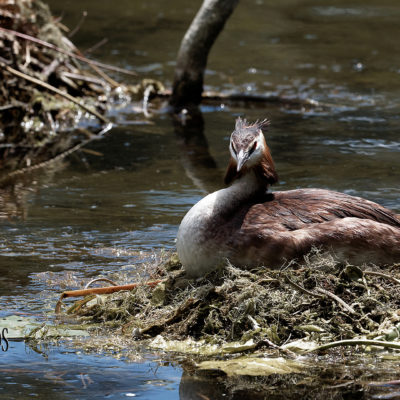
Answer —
286 225
296 209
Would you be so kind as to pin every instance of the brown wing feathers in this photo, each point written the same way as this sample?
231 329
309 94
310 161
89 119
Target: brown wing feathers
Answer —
306 206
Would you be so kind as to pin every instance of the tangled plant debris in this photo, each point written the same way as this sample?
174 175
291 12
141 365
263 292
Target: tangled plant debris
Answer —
318 301
48 86
31 113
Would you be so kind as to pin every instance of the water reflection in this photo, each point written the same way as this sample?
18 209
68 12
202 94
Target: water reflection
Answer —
60 373
350 376
196 159
13 201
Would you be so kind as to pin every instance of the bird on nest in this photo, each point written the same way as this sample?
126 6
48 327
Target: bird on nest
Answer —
250 226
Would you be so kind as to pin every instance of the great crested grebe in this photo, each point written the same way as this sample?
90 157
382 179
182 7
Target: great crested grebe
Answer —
250 226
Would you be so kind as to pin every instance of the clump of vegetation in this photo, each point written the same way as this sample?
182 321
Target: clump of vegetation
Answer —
48 87
34 59
319 300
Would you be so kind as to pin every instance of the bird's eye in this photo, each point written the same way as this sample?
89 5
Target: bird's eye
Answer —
253 147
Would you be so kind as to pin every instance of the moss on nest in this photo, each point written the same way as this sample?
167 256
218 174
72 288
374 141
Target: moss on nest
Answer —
318 300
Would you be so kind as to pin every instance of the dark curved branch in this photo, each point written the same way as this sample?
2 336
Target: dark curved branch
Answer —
193 53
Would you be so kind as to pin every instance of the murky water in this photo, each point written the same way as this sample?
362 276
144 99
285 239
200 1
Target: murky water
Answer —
108 210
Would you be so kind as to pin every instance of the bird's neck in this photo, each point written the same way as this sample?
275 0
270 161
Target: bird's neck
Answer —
247 185
226 204
260 175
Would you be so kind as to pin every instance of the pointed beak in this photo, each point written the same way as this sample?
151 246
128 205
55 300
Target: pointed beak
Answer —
242 157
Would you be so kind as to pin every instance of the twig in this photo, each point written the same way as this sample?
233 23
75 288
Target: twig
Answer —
79 304
271 344
91 79
146 96
96 45
253 322
55 90
266 341
92 152
320 296
101 290
111 81
356 342
260 98
336 298
66 52
8 106
50 68
27 56
301 289
79 24
99 280
392 278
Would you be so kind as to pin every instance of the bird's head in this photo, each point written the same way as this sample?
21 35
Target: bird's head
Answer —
249 151
247 143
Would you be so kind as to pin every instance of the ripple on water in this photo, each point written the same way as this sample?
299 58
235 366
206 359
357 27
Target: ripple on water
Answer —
368 145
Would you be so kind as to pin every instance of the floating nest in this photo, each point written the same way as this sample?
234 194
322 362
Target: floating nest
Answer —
319 301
